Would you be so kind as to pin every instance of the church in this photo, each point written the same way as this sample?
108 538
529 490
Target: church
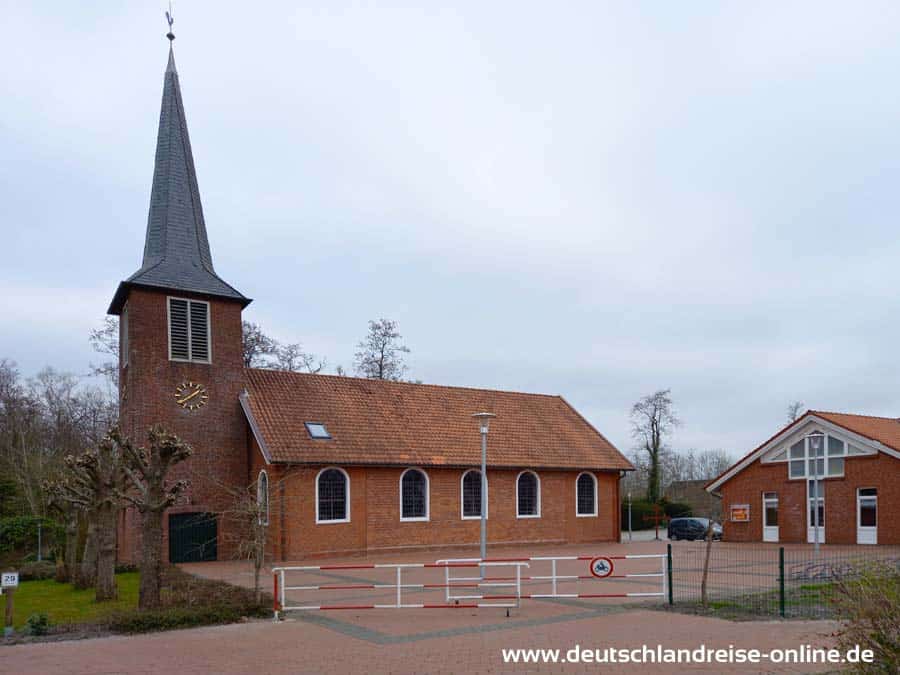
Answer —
343 465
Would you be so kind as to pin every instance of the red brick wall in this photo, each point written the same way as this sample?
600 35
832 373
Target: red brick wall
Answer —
217 431
375 512
880 471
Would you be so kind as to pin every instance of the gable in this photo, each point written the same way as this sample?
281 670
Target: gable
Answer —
859 435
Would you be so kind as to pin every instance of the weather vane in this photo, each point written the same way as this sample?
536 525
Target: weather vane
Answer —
171 20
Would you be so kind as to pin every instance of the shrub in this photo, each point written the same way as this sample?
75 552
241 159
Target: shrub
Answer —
641 515
173 617
677 509
37 624
20 532
35 571
867 605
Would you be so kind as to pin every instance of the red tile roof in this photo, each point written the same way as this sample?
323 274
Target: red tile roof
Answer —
400 423
884 430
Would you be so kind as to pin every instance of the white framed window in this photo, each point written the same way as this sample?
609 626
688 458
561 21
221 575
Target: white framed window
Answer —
470 495
262 497
528 495
586 495
332 496
414 496
123 336
189 334
804 462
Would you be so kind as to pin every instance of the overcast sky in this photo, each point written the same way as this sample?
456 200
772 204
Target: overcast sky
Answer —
592 199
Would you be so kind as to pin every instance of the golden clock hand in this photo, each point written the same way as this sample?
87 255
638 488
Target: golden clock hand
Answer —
189 396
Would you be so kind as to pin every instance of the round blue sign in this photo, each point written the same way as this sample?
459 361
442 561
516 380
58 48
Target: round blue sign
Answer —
601 567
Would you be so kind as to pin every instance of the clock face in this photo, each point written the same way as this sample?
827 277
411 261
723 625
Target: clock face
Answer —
191 395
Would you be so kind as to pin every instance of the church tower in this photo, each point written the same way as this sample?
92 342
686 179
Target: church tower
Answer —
181 362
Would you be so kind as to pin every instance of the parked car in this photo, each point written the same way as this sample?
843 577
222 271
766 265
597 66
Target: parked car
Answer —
692 528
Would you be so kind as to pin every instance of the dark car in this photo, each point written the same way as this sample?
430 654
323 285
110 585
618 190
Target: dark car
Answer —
692 528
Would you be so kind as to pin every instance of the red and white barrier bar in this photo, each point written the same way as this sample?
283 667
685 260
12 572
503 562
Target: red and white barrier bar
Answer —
515 582
555 579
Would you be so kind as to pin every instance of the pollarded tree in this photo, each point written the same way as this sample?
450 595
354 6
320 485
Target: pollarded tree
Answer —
150 492
94 482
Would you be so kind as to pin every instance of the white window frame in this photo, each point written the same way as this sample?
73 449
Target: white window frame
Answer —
538 478
596 506
417 519
487 496
190 358
259 493
346 518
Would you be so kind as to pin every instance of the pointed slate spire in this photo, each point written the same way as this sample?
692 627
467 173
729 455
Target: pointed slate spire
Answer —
176 248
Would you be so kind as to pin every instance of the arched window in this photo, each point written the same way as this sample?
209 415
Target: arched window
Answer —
586 495
528 495
414 495
332 496
262 497
471 494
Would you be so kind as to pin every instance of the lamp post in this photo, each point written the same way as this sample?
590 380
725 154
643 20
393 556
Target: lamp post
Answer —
815 441
629 517
484 421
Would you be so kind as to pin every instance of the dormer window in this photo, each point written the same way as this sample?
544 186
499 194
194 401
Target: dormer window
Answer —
189 330
317 430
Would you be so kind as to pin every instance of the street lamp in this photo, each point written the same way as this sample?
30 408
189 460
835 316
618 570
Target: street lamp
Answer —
816 443
484 421
629 516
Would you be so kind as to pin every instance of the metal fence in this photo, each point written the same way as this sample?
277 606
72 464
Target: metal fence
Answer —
773 580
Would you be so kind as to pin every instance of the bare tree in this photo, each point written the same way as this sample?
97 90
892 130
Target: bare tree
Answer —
94 483
246 512
380 356
148 490
652 419
257 346
105 340
795 410
263 351
292 358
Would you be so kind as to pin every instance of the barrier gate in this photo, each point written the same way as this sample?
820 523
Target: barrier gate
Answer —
598 568
396 589
482 587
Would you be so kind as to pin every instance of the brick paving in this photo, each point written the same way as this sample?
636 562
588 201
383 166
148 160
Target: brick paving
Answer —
420 641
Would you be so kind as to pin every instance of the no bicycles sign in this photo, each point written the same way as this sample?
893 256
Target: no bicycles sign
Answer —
601 567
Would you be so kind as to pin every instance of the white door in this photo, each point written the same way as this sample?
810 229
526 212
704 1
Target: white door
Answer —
770 516
866 516
815 503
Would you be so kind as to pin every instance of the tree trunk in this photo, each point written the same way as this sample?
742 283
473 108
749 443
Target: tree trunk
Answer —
67 570
151 554
709 538
87 571
653 477
259 556
106 553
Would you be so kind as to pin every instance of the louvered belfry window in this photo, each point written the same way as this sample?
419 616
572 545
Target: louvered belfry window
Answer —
188 330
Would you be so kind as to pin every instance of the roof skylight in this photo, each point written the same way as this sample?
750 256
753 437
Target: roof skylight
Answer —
317 430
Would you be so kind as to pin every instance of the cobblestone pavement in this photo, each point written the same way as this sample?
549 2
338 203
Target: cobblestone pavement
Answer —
420 641
328 644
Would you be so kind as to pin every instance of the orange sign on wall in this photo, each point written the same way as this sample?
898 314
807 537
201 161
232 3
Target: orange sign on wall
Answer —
740 513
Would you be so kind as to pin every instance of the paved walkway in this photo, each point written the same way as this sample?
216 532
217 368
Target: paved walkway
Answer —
318 644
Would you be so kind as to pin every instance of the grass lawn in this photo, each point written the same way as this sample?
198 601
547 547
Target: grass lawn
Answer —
64 605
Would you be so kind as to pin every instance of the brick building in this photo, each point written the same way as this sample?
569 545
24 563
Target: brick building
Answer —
343 464
832 474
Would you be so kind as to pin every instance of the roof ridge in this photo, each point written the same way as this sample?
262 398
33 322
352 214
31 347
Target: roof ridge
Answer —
380 382
871 417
